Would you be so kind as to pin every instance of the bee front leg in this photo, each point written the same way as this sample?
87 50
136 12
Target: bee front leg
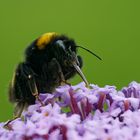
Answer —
60 72
51 76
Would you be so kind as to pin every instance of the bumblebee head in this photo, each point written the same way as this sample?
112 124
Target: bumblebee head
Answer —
70 58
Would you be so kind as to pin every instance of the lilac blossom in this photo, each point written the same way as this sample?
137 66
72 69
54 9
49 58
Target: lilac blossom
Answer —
80 113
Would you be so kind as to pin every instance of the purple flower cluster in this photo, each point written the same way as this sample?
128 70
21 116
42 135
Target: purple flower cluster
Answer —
80 113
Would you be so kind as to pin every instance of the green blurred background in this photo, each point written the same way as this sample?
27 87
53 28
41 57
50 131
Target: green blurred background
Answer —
110 28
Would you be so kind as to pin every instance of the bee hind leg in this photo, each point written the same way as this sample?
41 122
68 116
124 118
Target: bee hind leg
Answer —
17 114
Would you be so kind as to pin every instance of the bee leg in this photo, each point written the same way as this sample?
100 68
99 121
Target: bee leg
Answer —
25 81
17 113
33 86
60 73
21 91
20 106
65 82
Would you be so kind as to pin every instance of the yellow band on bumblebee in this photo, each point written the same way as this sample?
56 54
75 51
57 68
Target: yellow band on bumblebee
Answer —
45 39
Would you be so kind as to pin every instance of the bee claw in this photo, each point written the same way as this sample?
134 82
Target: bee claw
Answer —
7 125
64 82
37 98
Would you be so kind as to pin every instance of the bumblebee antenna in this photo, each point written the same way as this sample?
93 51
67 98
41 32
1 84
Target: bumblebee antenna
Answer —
90 52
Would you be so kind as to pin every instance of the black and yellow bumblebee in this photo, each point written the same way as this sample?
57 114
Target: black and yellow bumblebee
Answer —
50 60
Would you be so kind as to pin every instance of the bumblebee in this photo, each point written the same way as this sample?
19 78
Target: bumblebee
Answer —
50 61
